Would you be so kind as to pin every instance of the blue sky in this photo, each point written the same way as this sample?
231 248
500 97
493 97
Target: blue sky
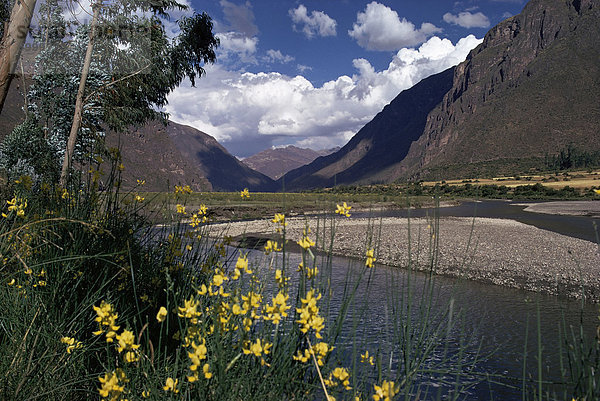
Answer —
312 73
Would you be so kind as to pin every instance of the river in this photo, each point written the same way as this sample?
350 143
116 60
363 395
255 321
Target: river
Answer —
489 323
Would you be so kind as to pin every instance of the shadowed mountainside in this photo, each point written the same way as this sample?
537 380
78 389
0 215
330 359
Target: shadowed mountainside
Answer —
380 144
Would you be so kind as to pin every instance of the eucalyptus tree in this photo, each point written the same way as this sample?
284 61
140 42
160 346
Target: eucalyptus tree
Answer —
132 66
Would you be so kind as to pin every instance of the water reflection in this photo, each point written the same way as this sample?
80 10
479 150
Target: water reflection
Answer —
492 334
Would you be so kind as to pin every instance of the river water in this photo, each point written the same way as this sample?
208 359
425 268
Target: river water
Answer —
493 328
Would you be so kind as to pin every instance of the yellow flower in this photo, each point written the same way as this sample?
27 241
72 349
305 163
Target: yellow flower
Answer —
139 198
141 182
309 314
171 385
245 193
258 349
385 392
343 210
365 358
72 344
112 385
280 278
280 220
597 191
180 209
278 309
183 189
271 246
106 318
11 282
306 242
370 258
127 343
162 314
339 376
205 370
189 310
242 265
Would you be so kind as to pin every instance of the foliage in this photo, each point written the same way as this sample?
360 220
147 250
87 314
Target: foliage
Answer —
26 152
134 67
572 157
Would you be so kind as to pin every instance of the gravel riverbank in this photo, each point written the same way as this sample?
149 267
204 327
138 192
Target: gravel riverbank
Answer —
499 251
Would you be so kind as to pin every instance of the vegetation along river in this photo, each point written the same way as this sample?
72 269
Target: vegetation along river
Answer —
502 336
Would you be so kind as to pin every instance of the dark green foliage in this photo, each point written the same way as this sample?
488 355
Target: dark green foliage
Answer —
26 151
572 157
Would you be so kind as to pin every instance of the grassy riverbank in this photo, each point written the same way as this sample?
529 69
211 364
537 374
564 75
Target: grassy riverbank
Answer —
97 303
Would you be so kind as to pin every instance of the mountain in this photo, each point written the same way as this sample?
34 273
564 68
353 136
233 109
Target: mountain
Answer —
276 162
531 88
165 156
223 171
380 144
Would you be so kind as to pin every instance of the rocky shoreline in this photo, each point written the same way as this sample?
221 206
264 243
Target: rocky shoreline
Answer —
497 251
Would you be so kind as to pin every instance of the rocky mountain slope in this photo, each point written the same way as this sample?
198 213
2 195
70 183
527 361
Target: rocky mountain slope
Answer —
530 89
223 171
380 144
275 162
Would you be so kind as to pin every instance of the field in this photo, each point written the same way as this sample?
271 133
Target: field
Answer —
574 179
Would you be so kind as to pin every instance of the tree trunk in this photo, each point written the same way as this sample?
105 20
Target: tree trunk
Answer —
79 101
12 43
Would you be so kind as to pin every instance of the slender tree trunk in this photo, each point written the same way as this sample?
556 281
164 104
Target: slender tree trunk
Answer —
12 43
79 100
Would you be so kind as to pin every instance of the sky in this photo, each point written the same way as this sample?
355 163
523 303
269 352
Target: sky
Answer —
311 73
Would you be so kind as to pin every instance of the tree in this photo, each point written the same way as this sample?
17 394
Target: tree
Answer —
13 39
132 68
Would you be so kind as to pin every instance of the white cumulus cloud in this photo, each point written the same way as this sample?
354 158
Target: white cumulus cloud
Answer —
317 23
467 19
234 43
250 112
380 28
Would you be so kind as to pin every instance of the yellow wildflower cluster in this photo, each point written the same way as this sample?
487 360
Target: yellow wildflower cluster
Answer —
112 385
385 392
279 219
343 210
17 205
200 216
190 310
197 356
306 242
278 309
339 376
183 189
319 350
180 209
141 182
310 273
365 358
241 265
280 278
245 193
217 282
258 348
72 344
106 319
309 314
139 198
272 246
370 258
126 343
